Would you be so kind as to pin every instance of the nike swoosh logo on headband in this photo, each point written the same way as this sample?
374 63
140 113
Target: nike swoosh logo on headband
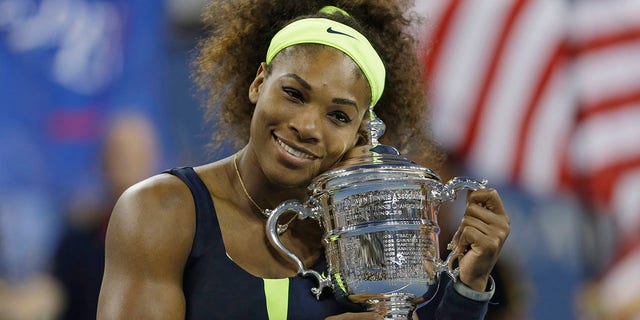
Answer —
330 30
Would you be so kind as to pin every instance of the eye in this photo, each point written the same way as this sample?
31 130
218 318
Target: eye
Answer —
294 94
340 116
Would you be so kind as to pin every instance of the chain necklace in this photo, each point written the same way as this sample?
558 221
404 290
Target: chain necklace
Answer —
281 227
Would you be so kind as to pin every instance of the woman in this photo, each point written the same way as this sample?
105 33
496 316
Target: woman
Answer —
191 242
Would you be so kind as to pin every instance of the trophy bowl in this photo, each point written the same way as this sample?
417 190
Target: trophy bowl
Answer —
378 212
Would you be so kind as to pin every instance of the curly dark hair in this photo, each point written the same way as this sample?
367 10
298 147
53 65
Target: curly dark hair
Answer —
239 32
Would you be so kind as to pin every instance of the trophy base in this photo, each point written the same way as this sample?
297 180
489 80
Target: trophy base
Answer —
393 306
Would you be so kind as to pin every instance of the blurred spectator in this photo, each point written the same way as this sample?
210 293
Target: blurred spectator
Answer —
66 66
38 297
130 153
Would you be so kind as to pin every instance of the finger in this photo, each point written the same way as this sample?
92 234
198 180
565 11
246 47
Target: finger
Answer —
473 239
489 224
475 222
488 198
454 240
486 215
486 206
482 219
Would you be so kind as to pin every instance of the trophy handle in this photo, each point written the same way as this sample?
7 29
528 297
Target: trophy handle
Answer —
448 192
274 237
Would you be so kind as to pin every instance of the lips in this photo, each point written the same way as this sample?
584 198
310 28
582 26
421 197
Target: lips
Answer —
293 151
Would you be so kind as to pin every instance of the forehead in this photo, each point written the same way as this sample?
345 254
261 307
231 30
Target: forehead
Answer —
324 57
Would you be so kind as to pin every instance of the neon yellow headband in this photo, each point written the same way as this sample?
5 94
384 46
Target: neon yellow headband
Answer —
337 35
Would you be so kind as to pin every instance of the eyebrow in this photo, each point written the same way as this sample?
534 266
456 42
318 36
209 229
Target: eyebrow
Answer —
303 83
307 86
345 102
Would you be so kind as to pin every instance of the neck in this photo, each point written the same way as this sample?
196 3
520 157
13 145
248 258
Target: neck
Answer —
278 195
257 189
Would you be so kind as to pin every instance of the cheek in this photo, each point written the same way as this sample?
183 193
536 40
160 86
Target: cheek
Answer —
262 117
272 109
343 144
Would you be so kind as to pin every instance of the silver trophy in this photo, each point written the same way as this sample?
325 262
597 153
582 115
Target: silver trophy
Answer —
379 214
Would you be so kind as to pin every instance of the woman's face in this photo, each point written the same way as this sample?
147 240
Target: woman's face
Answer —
308 112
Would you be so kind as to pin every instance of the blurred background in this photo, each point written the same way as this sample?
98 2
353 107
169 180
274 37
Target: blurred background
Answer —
542 97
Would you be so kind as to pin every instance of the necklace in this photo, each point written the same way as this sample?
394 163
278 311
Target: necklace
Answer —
281 227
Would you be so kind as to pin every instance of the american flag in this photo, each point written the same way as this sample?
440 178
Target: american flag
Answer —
545 95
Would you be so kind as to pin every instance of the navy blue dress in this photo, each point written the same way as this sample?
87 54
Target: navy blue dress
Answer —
216 288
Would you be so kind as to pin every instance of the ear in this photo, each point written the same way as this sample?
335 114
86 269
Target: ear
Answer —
362 136
256 85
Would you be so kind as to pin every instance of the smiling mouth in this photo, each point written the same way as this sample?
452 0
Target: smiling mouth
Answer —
294 152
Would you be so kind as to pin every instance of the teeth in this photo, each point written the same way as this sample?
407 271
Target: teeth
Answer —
293 151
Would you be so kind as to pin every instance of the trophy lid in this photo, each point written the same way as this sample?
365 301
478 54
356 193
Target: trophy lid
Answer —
370 162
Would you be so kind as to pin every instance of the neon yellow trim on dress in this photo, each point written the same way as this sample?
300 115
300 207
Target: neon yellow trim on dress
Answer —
337 35
339 281
276 294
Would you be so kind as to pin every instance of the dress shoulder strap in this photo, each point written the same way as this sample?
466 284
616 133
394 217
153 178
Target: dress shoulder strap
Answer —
206 219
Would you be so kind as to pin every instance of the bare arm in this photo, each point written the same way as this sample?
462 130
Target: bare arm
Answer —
148 241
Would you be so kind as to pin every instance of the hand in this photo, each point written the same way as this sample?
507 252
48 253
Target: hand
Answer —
480 236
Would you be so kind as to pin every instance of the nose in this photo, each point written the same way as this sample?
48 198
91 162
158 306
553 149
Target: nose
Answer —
305 122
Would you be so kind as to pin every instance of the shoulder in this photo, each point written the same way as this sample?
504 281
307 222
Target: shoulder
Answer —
155 217
148 242
158 198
